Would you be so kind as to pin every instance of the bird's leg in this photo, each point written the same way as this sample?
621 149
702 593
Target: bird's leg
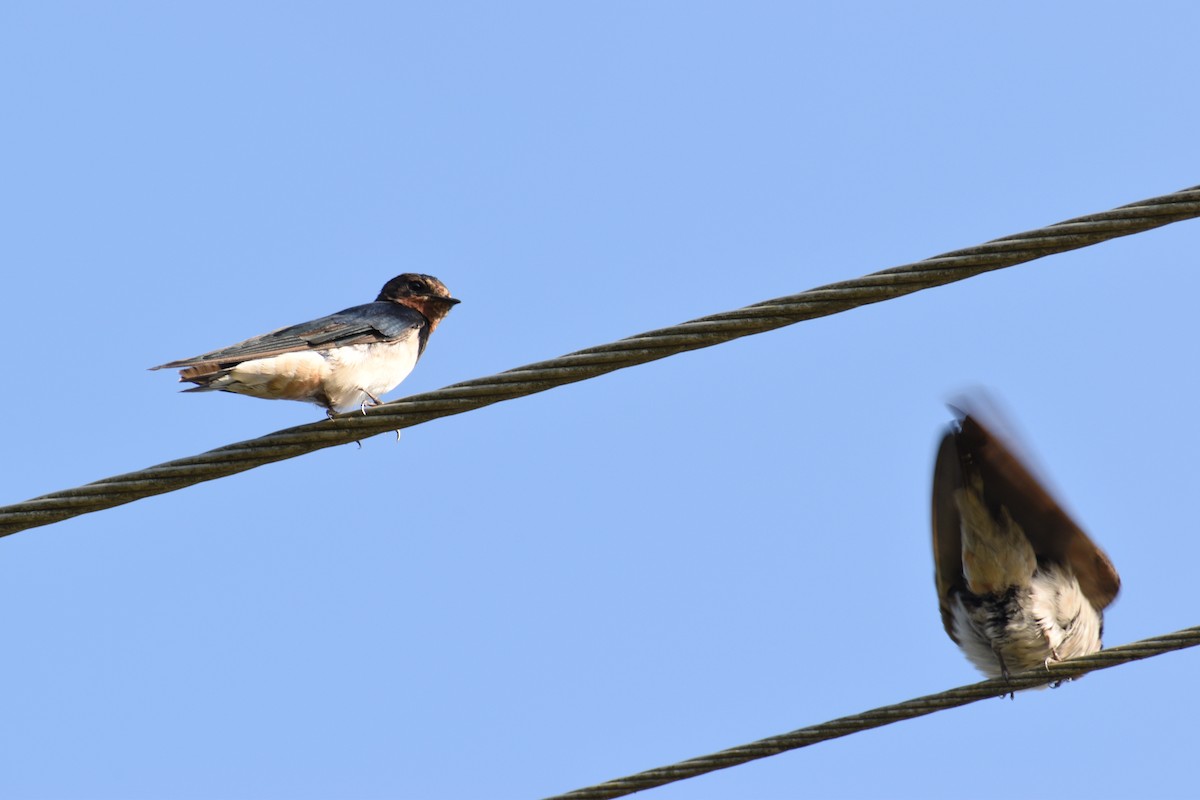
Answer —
1054 656
1004 674
332 414
375 401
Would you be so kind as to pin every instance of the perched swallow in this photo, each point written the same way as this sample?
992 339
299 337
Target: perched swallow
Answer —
1020 585
343 361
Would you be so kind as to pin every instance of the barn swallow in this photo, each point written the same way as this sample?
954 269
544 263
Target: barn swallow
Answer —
1020 585
343 361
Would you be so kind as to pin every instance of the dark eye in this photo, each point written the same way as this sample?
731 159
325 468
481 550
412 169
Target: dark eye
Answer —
416 286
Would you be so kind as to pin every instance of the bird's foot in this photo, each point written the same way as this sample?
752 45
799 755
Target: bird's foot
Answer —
371 400
330 413
1004 673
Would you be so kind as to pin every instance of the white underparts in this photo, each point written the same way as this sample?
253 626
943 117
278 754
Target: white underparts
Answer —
1017 613
342 377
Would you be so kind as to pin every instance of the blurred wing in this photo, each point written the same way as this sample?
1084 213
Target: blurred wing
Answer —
373 322
947 529
1053 534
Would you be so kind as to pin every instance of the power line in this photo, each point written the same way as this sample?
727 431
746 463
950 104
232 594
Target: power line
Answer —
594 361
876 718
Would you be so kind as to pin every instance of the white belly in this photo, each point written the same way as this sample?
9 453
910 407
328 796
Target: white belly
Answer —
361 371
348 376
1049 620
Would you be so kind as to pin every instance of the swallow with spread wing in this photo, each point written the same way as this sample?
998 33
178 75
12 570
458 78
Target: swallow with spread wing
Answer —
1020 585
343 361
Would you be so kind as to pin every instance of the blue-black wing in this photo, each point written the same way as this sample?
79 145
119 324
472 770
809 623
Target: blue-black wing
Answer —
366 324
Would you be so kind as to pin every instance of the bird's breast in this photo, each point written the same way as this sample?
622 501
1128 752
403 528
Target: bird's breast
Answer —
358 372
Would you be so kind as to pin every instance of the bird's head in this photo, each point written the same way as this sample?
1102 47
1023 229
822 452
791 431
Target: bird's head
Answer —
422 293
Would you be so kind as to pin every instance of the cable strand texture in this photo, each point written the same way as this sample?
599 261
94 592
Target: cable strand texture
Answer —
886 715
594 361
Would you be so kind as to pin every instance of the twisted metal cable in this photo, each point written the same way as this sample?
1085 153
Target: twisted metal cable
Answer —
593 361
876 718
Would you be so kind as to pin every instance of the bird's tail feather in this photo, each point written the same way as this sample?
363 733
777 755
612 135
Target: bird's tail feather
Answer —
203 375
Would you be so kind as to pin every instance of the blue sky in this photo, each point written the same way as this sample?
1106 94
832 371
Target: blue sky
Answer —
628 571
